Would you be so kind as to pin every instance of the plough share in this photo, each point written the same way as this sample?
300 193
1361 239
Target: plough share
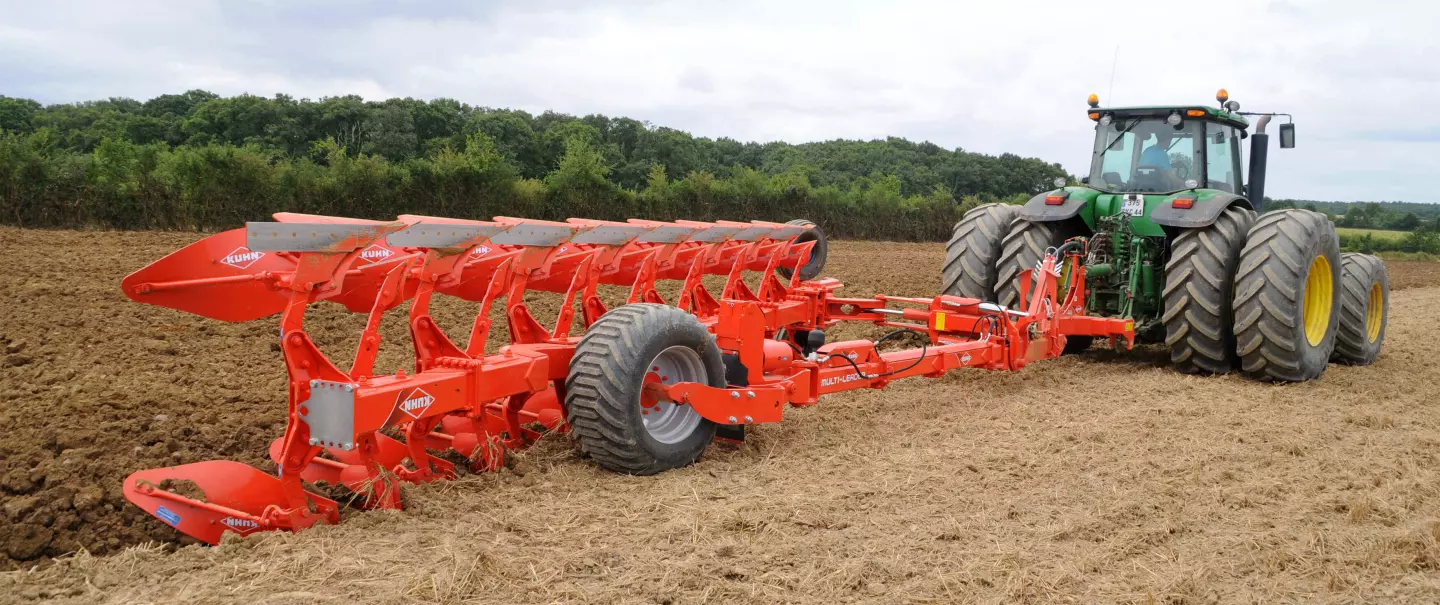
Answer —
646 387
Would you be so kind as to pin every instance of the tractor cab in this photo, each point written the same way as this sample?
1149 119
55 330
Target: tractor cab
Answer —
1167 150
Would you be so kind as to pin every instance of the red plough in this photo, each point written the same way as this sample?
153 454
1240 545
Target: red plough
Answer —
646 388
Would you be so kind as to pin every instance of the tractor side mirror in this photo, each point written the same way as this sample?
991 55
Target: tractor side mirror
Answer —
1287 136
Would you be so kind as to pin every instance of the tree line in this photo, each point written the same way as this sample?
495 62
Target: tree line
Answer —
1394 216
1419 223
201 161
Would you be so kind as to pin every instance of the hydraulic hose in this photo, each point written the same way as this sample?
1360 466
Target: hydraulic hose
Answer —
1060 252
923 346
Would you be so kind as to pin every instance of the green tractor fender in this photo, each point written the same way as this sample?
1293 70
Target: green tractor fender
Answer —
1204 210
1038 210
1070 202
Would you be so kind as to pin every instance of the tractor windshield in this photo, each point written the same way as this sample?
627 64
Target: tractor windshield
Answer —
1145 155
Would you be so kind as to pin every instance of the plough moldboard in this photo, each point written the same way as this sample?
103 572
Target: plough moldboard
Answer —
644 389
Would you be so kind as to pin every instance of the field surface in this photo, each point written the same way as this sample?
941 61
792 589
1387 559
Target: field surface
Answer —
1099 478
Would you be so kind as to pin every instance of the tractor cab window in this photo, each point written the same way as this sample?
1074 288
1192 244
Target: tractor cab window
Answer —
1145 155
1222 158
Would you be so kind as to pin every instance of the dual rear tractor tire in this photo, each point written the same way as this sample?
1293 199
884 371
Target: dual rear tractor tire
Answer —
1364 309
1287 305
1199 288
1270 295
973 253
989 249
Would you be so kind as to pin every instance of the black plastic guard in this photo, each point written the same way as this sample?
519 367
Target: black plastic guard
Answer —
730 432
736 374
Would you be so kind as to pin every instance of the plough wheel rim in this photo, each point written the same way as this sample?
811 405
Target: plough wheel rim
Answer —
666 421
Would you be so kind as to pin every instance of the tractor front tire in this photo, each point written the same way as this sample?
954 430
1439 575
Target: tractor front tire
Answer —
812 267
618 354
1199 289
972 255
1287 296
1364 309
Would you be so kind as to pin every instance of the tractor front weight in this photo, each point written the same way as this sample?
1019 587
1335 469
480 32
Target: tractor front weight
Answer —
636 397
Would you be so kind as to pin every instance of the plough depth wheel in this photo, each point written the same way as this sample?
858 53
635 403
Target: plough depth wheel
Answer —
811 268
611 413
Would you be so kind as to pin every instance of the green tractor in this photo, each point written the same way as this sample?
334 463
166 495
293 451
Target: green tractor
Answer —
1175 241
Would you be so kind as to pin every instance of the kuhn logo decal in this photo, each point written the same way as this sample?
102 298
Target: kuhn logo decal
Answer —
240 526
830 382
242 258
415 402
480 251
376 253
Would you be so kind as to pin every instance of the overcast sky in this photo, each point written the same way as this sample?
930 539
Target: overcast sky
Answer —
1362 79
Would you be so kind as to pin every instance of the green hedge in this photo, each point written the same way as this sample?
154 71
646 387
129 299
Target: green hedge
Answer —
1415 242
123 185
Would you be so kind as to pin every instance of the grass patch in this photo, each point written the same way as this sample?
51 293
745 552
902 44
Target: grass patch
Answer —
1375 233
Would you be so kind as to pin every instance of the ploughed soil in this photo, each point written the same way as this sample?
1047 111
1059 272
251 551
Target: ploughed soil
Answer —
1101 477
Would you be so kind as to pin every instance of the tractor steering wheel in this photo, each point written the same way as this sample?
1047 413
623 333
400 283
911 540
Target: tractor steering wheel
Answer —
1149 176
1182 171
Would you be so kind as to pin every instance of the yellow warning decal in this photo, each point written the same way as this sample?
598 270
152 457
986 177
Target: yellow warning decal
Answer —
1129 325
940 321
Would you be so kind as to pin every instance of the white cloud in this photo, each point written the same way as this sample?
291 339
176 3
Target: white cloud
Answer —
989 76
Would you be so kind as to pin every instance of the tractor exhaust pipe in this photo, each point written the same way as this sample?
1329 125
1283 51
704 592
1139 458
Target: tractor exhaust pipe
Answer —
1259 149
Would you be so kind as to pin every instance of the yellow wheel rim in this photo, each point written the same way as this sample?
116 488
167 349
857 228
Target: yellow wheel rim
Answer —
1319 294
1375 313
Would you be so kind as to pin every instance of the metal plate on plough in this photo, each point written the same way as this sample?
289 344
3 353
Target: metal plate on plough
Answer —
313 237
441 236
531 234
787 232
750 234
609 235
294 218
668 234
330 413
717 233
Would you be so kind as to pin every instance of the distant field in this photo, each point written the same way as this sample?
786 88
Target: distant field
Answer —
1376 233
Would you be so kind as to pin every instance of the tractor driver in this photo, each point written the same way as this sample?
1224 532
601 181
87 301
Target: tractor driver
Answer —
1157 155
1155 166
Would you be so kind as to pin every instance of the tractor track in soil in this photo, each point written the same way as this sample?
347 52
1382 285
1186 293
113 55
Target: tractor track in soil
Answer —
1101 477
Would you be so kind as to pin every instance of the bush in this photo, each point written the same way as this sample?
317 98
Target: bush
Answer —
125 185
1415 242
